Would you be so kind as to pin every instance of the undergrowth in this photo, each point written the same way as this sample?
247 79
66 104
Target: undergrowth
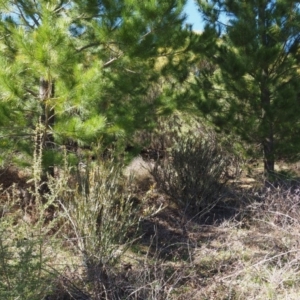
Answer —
90 233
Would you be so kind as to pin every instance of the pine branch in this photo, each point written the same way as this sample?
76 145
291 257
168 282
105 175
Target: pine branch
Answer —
36 22
108 63
22 16
32 92
61 6
130 71
94 44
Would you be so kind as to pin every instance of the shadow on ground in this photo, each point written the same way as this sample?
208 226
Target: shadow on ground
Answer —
172 234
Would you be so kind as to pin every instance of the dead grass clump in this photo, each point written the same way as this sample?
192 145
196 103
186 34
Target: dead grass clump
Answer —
279 204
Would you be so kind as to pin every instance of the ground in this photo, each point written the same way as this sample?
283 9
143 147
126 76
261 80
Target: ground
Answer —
246 247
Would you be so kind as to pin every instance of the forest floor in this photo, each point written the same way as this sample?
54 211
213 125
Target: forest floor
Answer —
246 247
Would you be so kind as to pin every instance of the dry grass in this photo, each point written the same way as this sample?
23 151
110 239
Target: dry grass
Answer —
246 247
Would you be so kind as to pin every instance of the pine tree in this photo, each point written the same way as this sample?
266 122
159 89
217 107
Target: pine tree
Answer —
85 69
255 92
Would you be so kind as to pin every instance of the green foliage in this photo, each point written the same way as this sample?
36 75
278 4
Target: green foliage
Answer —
21 261
255 90
100 59
25 242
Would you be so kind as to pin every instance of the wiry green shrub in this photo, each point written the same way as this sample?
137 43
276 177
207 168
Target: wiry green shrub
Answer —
23 262
103 219
193 173
26 238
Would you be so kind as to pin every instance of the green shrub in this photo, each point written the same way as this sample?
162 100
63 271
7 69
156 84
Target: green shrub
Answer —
103 219
22 263
193 173
27 244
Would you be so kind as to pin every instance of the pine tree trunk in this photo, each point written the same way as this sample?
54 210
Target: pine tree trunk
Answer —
269 162
265 98
268 134
47 119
